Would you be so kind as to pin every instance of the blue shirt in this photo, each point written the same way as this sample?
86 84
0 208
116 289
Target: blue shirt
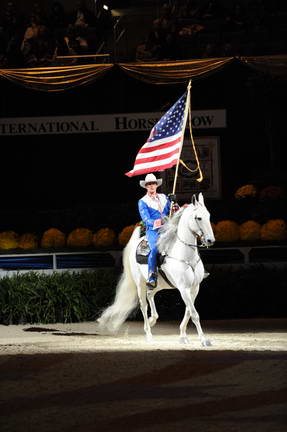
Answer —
151 209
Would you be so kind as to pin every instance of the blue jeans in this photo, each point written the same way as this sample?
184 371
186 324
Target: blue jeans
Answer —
152 236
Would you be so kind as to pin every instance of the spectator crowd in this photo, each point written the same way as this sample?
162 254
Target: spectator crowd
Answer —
213 28
36 39
183 29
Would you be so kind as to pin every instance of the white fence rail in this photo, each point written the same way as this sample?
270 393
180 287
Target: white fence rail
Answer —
78 261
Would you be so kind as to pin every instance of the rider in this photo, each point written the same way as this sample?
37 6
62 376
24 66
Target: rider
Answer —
153 208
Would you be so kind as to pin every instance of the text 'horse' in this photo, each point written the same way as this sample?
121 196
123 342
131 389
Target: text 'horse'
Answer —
182 266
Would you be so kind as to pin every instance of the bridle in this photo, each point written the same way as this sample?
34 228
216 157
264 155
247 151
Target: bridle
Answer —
190 263
200 235
187 244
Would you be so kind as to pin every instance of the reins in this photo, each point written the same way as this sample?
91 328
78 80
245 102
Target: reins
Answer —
189 244
195 235
189 263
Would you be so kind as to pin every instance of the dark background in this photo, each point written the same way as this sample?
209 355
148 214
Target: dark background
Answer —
78 180
84 174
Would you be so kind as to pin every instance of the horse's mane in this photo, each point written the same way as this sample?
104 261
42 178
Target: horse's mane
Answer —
168 231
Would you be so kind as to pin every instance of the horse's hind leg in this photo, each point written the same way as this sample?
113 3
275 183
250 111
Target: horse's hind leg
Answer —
144 309
154 315
187 298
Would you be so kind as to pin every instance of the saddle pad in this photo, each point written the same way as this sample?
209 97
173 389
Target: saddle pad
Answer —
142 252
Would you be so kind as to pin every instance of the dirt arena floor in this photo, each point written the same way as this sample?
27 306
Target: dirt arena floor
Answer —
68 378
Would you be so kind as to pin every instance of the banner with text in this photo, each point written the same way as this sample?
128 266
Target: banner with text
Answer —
131 122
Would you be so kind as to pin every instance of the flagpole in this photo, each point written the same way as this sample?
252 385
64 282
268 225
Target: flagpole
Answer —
182 137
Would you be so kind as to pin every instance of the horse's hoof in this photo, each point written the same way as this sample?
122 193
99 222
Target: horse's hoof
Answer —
149 338
184 340
206 343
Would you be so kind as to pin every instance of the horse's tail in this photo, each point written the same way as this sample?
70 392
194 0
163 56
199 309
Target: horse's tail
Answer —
126 299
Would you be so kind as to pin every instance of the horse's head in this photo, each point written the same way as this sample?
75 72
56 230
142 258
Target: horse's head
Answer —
199 221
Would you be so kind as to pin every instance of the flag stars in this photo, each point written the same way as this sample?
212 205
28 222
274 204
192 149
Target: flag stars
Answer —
171 123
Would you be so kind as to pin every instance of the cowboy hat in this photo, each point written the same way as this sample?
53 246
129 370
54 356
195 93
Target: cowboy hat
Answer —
150 178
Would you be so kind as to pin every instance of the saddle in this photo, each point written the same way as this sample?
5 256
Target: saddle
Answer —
142 253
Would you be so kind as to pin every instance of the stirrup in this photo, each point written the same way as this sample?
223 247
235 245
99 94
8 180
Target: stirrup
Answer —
152 281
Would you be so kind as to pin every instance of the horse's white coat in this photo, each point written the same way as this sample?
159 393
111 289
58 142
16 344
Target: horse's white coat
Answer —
182 266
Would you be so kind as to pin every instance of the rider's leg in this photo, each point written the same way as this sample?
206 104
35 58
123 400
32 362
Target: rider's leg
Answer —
152 268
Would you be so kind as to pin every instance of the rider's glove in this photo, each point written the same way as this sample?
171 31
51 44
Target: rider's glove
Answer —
172 197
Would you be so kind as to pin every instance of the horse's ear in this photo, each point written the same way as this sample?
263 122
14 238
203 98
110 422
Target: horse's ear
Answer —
200 198
194 200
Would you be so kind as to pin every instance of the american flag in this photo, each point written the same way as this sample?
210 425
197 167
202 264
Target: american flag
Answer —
163 147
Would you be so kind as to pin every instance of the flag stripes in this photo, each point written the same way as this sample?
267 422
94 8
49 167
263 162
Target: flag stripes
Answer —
163 147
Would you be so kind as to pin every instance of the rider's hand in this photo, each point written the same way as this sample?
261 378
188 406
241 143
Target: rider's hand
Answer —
157 223
172 197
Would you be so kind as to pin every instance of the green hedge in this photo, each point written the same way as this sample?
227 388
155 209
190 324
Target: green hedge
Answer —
60 297
245 292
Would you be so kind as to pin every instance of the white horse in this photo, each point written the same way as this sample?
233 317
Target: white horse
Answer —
182 266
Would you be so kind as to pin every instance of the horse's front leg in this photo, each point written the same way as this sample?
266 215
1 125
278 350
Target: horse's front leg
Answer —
187 298
186 318
154 315
183 325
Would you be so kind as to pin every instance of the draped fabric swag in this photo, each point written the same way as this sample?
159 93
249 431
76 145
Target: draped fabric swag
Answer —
56 79
174 72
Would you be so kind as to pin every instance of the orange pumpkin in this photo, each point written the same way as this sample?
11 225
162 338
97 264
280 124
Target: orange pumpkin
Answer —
104 237
272 193
248 190
250 230
125 235
28 241
9 240
274 229
227 231
53 238
80 237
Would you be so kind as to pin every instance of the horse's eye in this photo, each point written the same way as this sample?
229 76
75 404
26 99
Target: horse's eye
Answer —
198 218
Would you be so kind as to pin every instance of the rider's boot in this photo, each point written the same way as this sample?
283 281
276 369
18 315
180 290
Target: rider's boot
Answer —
152 281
